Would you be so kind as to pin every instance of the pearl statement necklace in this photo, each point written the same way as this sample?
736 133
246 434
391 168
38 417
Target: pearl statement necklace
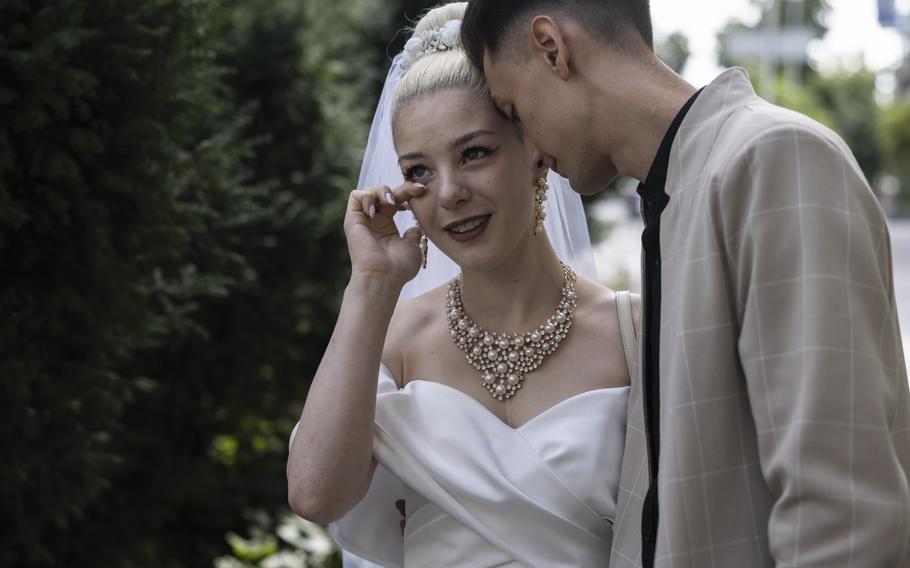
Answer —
505 359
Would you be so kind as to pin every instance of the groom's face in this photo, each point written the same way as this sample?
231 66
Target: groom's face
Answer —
552 114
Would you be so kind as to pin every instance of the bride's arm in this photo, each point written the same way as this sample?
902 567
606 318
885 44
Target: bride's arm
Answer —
331 462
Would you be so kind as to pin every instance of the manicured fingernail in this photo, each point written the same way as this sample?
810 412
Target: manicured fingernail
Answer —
372 211
390 198
405 206
420 185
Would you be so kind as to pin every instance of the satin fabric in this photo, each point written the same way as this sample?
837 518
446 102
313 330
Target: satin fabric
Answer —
480 493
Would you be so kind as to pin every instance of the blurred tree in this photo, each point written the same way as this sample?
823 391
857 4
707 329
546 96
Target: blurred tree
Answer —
895 138
172 182
122 200
674 51
849 98
225 393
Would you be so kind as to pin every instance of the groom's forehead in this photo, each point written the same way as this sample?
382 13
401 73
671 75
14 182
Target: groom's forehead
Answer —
496 75
500 82
498 106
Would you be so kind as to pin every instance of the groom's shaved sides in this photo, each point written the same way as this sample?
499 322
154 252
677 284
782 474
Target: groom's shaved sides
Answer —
490 25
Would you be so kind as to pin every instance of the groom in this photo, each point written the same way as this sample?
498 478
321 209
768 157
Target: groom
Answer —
773 422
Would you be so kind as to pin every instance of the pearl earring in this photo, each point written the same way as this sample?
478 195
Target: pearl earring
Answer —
540 197
424 250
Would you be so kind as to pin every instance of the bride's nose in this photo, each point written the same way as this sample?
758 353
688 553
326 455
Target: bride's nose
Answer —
453 191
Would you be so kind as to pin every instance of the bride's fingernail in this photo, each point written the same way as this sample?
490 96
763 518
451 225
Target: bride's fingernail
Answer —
405 206
420 185
390 198
372 211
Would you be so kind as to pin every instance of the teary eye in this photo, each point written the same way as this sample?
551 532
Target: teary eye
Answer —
414 172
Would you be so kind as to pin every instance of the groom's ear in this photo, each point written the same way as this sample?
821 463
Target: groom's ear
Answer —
548 43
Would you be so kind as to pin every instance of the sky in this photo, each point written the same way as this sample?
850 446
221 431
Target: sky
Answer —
854 33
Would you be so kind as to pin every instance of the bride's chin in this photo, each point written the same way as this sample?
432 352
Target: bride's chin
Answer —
486 258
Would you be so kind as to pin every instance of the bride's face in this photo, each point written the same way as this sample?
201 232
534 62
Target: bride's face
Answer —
478 171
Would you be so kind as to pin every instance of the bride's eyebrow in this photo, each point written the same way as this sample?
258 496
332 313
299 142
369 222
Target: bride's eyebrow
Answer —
411 156
462 140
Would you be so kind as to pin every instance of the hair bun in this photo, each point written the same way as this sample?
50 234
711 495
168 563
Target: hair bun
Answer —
428 41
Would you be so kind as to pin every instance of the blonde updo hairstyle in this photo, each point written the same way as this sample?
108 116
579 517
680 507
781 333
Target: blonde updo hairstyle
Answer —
440 70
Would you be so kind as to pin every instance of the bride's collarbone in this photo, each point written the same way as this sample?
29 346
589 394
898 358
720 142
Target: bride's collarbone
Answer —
565 374
590 358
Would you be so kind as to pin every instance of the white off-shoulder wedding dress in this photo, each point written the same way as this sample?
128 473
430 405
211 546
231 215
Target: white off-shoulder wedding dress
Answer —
481 494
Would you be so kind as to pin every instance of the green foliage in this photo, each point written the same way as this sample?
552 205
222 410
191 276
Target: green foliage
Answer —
110 181
173 177
172 182
849 97
895 139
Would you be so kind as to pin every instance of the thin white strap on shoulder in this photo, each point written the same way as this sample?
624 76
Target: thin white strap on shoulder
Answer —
627 330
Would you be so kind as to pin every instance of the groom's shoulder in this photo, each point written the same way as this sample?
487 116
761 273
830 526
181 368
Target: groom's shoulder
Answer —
757 123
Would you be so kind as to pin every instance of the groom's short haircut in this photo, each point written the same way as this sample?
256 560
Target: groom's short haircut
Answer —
490 25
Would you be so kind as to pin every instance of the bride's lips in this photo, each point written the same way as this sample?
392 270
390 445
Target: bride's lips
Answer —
480 220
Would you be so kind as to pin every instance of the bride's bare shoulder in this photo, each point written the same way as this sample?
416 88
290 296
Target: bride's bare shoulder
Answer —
599 302
415 319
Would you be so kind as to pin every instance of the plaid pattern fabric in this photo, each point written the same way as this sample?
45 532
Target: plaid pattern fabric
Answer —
785 412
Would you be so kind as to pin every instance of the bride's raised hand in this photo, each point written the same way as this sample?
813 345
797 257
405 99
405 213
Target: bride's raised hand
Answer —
377 250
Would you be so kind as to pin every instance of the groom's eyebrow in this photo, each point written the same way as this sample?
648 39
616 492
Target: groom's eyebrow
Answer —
462 140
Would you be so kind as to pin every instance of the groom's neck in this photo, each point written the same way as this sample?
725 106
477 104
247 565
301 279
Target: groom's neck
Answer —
633 103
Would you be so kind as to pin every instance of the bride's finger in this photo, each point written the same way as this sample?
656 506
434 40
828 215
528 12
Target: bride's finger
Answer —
384 201
358 201
367 201
404 192
379 200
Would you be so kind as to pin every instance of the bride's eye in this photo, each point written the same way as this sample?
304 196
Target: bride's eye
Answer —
475 153
414 173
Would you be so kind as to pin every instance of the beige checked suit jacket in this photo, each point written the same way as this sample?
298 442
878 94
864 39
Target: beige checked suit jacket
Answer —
785 414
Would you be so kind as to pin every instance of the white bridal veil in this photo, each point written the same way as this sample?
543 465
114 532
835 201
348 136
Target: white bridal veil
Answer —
565 223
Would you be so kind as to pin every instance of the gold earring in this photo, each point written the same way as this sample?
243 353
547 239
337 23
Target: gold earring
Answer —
540 197
424 250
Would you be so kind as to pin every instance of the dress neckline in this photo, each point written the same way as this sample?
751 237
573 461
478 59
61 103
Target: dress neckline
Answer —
537 417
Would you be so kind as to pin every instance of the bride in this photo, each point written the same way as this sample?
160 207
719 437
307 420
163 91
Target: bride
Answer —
489 392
